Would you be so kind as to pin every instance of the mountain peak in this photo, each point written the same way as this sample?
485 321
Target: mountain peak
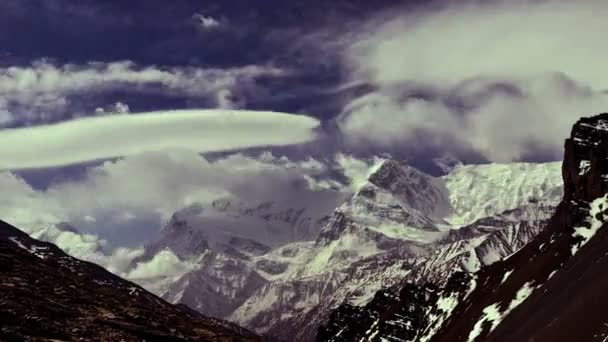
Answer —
414 188
585 170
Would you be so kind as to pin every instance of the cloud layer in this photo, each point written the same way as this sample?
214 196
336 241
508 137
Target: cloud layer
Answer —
121 135
120 205
43 91
506 79
126 201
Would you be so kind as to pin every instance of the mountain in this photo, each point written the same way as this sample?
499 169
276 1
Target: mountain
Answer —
250 266
229 246
48 295
281 267
552 289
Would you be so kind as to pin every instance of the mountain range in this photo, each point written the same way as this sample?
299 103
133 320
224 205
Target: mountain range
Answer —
485 252
281 270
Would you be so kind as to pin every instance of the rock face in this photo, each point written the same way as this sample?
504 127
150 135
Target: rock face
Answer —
48 295
539 293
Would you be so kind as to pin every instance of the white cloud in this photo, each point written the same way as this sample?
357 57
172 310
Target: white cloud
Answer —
206 22
24 207
120 261
120 108
499 39
6 117
357 170
385 120
163 264
43 77
41 90
115 108
105 137
110 204
126 201
505 79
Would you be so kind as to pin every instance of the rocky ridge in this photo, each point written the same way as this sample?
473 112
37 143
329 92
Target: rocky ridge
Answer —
48 295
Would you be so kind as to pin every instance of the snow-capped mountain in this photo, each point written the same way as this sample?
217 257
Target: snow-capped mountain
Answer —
551 289
281 270
228 246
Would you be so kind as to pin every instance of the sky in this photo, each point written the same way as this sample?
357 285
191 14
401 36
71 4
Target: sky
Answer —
104 105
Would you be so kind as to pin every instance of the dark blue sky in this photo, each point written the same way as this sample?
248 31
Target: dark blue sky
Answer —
296 35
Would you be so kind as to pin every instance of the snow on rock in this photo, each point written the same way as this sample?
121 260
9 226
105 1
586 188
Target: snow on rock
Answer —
584 166
35 250
493 315
506 276
595 221
478 191
490 314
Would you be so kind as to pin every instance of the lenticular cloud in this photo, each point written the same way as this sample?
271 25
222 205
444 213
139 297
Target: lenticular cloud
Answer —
107 137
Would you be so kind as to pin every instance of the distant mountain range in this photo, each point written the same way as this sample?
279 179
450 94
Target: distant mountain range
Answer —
281 270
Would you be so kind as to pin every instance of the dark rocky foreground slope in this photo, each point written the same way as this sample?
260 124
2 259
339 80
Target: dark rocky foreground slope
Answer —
553 289
46 295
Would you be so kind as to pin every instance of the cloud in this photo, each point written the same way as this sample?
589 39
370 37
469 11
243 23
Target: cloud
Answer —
206 22
499 39
41 91
357 170
106 137
122 204
43 77
126 201
116 108
6 117
504 79
163 264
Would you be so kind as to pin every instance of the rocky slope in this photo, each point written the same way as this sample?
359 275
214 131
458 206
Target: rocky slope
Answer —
482 243
540 293
48 295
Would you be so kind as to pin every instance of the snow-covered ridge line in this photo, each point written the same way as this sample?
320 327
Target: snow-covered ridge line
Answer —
478 191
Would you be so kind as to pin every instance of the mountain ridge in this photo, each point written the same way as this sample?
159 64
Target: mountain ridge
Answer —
538 293
48 295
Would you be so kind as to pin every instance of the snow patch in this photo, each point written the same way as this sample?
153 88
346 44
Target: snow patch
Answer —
35 250
506 276
584 167
598 206
163 264
493 315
